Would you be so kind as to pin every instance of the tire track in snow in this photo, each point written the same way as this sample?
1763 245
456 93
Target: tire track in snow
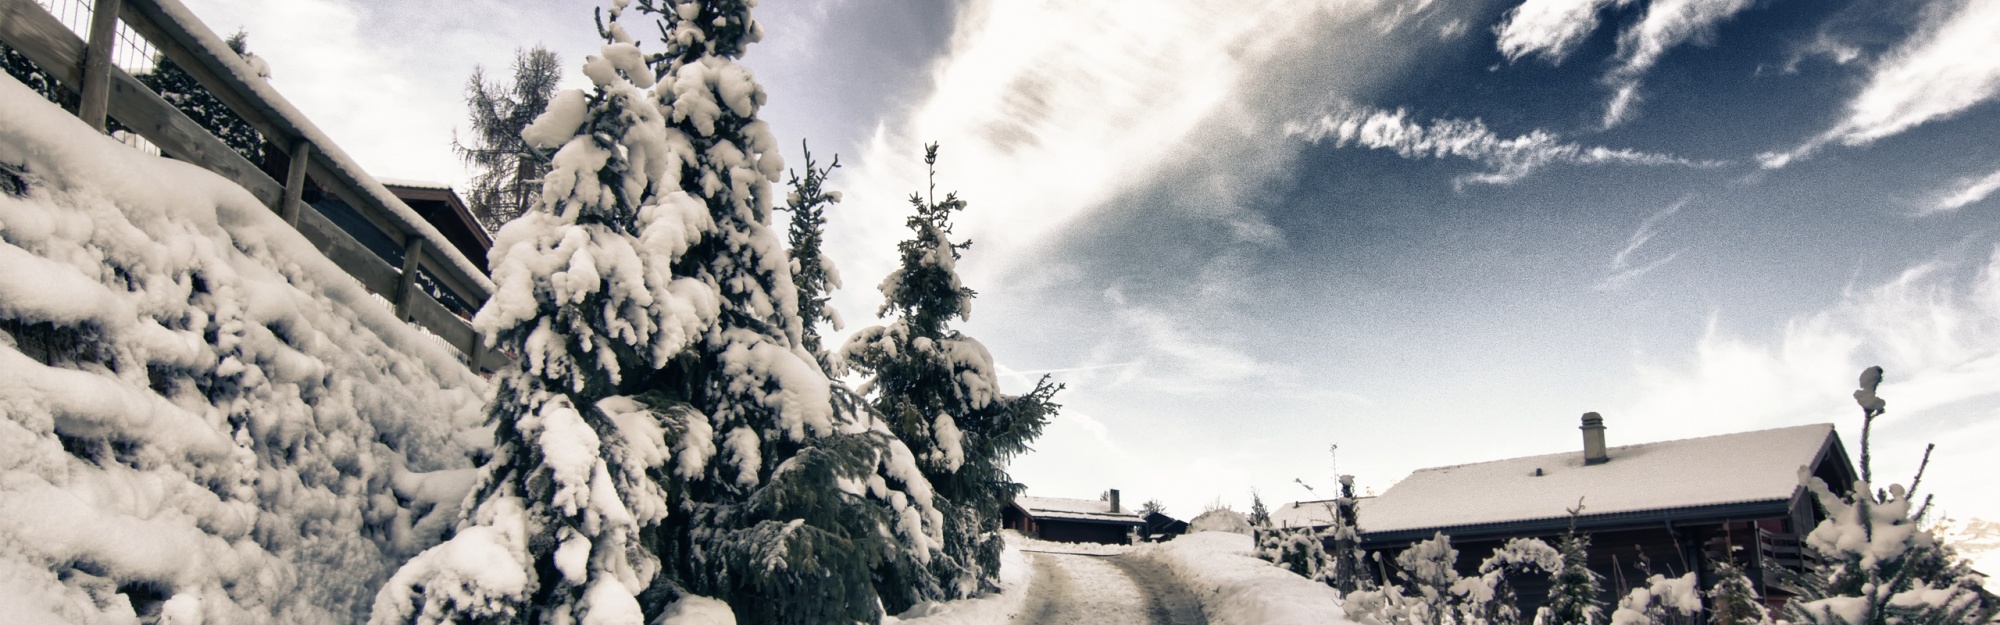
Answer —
1072 588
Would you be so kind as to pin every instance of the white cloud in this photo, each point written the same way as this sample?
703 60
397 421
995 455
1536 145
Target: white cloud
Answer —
1622 271
1667 24
1969 191
1552 29
1936 333
1508 159
1047 110
1950 65
1549 28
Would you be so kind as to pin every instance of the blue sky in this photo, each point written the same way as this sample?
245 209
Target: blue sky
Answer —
1430 232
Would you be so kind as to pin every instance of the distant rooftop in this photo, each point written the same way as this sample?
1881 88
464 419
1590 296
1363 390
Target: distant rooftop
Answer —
1076 509
1712 470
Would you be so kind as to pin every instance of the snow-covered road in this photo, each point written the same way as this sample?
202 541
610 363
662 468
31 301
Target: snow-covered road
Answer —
1079 588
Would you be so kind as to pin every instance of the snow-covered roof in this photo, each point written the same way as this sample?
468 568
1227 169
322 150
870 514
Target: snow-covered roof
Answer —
1076 509
1315 513
1713 470
414 184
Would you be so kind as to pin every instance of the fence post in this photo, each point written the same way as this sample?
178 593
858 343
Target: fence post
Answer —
406 287
295 182
96 90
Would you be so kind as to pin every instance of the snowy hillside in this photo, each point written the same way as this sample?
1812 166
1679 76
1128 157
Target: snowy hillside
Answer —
200 416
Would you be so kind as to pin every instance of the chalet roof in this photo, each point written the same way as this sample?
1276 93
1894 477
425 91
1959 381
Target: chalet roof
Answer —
1076 510
1315 513
1708 471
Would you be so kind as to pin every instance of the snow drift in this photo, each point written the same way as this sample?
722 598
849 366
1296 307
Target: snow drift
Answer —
1235 587
202 419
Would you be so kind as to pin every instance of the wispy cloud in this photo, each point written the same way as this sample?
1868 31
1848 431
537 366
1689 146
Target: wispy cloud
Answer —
1622 271
1935 327
1667 24
1969 191
1950 65
1549 28
1508 159
1047 110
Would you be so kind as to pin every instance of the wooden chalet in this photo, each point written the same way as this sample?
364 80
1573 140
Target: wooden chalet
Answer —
1073 520
1671 506
1161 528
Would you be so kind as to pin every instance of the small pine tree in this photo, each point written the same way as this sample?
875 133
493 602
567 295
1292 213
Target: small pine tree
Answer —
1300 550
1733 600
1429 573
179 88
1350 562
1573 600
1877 564
938 392
1260 516
508 171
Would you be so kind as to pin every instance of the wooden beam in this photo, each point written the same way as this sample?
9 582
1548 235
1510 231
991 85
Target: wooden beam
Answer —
30 29
97 64
144 112
406 285
295 182
375 274
431 315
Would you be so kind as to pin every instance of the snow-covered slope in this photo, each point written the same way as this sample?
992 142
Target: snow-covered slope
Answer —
200 416
1236 587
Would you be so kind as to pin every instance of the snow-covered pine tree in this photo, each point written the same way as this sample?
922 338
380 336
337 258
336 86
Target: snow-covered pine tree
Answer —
812 272
792 521
1573 600
937 390
1877 564
903 578
1429 576
1260 516
1733 600
1350 562
508 171
585 452
179 88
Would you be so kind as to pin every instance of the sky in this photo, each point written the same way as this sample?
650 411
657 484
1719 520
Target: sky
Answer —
1265 242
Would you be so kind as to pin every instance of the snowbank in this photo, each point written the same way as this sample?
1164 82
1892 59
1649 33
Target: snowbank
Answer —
202 419
1235 587
1016 575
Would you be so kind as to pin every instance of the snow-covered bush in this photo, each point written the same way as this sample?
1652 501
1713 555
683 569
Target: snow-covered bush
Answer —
937 390
1663 601
202 419
1300 550
1877 564
1429 590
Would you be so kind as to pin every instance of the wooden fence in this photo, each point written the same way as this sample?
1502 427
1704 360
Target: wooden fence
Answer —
427 260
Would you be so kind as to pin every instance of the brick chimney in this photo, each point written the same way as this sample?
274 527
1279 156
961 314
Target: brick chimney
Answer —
1114 501
1593 439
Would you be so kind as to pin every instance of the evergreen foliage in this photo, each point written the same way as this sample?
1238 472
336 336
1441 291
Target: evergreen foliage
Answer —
812 272
1493 600
581 464
178 87
1733 600
1350 562
1300 550
1573 600
1260 516
1151 506
508 172
25 70
1877 564
937 391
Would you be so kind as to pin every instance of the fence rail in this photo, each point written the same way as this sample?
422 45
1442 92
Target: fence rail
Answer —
98 70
